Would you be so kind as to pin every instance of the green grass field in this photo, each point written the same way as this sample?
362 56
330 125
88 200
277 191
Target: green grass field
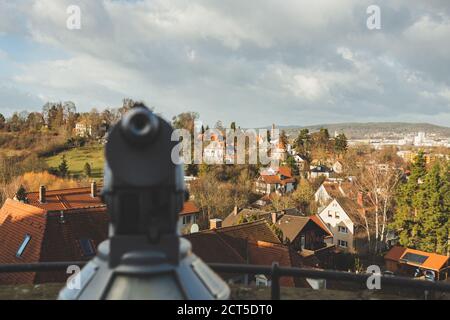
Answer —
76 158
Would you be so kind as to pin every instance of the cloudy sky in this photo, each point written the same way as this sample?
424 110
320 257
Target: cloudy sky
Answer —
257 62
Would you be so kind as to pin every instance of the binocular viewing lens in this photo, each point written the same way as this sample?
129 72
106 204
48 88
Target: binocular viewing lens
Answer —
139 125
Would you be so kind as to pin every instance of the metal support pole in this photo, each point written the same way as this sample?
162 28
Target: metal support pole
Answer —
275 287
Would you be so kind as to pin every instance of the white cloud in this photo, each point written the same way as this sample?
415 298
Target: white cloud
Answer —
312 60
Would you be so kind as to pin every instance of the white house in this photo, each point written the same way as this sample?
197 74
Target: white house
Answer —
188 216
214 152
344 218
331 189
301 163
82 129
279 180
319 171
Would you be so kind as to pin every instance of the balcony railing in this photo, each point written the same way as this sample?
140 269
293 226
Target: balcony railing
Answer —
275 272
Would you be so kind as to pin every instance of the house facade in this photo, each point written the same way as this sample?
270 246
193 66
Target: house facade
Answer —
319 171
188 216
343 217
279 180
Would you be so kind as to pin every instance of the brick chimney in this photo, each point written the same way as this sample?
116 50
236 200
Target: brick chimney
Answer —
235 210
274 217
215 224
360 199
42 197
93 189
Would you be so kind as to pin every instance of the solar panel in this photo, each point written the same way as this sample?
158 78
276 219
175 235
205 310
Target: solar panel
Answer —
87 247
414 258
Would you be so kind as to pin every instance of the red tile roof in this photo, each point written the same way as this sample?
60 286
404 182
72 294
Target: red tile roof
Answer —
189 207
292 226
245 243
265 253
65 199
213 248
17 220
320 223
53 238
434 261
285 171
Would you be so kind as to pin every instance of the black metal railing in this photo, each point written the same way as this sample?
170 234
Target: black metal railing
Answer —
275 272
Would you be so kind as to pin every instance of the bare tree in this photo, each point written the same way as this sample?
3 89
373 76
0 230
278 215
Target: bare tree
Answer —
378 181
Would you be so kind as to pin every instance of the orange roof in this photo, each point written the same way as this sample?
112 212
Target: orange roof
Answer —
189 207
277 180
265 253
16 220
271 179
320 223
433 261
52 239
64 199
285 171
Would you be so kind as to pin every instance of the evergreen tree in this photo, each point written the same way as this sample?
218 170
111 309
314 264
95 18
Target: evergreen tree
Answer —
63 168
405 218
340 143
290 162
302 143
21 194
87 169
191 169
431 214
2 122
423 206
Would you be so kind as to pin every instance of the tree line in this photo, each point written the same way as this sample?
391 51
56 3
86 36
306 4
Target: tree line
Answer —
422 215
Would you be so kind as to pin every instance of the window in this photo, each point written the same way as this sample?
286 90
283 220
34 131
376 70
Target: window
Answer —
336 215
186 219
302 241
329 213
342 229
87 248
24 244
342 243
262 281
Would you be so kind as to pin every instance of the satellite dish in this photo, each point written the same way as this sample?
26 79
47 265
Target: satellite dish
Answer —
194 228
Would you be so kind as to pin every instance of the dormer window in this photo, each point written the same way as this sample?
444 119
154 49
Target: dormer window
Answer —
23 246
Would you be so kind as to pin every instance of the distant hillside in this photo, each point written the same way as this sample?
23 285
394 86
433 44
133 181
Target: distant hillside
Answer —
359 130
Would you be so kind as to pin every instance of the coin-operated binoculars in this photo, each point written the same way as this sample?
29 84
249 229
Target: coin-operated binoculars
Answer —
144 257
